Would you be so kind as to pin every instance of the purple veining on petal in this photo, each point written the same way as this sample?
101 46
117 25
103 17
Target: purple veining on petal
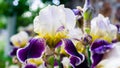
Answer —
60 28
71 50
30 66
97 43
14 51
98 48
103 49
34 49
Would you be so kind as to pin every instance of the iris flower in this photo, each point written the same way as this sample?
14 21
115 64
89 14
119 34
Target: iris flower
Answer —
18 41
111 59
53 25
99 48
102 28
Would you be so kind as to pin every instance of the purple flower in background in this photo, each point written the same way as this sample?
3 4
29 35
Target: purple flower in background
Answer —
34 49
98 48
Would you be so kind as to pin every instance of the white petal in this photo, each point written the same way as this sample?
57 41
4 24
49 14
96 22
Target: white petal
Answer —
53 17
75 33
70 19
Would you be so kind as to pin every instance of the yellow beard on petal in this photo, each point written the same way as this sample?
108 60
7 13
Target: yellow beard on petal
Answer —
79 46
36 61
53 39
104 37
17 43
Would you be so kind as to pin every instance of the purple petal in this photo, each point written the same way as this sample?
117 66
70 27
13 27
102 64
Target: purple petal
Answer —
13 52
99 48
58 44
60 28
97 43
71 50
82 65
75 61
96 58
34 49
77 12
103 49
30 66
55 63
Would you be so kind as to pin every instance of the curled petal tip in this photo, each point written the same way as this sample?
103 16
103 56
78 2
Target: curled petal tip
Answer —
34 49
76 58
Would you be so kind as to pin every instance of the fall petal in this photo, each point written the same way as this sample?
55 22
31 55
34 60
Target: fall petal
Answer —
34 49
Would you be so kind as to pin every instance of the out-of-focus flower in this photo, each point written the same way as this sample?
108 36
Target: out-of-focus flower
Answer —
111 59
98 49
20 39
102 29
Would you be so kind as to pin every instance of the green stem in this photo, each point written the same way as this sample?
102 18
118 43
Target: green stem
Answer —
89 55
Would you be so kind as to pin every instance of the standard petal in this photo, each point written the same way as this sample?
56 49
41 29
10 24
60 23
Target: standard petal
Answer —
71 50
30 66
102 28
34 49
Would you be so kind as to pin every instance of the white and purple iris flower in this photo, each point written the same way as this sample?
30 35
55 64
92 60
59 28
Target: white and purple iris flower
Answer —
53 25
18 41
101 28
